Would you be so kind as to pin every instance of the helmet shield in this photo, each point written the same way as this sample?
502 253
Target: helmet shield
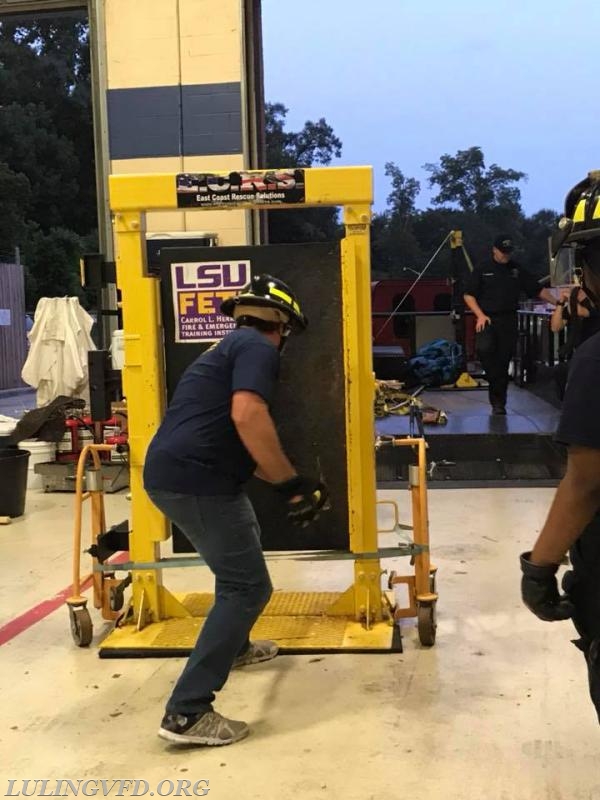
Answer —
580 224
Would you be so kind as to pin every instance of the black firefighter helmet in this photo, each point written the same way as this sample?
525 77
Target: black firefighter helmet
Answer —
580 224
263 293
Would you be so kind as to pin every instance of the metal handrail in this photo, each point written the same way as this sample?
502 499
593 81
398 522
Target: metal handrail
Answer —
538 344
411 313
466 312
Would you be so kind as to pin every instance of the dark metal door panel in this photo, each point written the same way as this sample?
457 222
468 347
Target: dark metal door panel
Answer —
309 408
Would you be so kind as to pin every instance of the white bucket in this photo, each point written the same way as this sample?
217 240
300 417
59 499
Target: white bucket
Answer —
7 425
117 349
40 453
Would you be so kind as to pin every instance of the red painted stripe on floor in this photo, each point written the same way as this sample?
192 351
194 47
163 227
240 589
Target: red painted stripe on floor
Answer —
36 613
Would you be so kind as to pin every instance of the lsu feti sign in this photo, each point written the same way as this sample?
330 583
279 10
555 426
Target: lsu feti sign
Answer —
199 288
268 187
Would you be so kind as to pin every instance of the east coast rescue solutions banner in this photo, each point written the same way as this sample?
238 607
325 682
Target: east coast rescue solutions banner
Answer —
268 187
199 288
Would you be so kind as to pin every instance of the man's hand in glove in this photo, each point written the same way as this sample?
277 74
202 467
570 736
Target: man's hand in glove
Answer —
306 499
539 590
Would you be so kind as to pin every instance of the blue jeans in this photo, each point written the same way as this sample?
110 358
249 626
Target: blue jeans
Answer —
225 532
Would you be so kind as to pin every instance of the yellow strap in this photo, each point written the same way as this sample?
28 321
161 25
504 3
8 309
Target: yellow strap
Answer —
286 297
579 214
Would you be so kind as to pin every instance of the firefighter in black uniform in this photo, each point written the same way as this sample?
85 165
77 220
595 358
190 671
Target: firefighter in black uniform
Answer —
574 517
492 293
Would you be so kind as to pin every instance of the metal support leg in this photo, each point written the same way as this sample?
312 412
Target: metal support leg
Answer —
364 600
418 489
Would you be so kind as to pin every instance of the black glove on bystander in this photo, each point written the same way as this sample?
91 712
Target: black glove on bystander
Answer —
539 590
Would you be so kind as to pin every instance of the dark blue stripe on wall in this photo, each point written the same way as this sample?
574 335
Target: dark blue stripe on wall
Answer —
144 123
212 119
164 121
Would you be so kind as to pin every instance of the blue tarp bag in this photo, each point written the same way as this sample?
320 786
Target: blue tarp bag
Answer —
437 363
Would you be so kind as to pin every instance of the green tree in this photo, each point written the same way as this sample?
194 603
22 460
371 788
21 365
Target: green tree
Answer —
46 147
51 260
31 145
463 181
401 200
535 233
15 195
316 143
46 63
434 224
394 248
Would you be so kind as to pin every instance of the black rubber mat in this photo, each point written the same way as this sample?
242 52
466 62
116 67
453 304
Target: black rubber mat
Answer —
311 421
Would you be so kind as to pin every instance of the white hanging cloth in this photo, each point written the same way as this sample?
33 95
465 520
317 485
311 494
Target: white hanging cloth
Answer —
60 339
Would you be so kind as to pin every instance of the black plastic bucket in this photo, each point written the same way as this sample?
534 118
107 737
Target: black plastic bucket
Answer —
13 481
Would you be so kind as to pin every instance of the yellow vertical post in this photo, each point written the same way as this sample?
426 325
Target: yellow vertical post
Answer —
364 598
143 385
356 277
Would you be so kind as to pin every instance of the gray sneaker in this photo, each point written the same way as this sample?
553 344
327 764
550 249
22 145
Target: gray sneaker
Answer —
209 728
258 651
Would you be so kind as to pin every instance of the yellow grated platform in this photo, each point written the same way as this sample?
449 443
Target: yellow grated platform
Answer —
296 604
295 620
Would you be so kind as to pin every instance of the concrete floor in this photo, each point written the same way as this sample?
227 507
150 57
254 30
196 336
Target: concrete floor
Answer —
497 709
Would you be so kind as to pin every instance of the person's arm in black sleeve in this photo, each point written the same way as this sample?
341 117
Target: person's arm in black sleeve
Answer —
470 296
577 498
472 284
578 495
576 501
532 288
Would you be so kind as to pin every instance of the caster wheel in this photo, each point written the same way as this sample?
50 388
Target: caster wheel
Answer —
426 624
81 626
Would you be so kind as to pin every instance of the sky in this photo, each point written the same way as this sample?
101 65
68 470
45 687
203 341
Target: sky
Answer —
409 80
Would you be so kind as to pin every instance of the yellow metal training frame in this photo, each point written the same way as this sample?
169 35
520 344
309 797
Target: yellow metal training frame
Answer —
131 196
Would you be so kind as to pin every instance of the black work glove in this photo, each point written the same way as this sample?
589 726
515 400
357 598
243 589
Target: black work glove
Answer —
313 496
539 590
